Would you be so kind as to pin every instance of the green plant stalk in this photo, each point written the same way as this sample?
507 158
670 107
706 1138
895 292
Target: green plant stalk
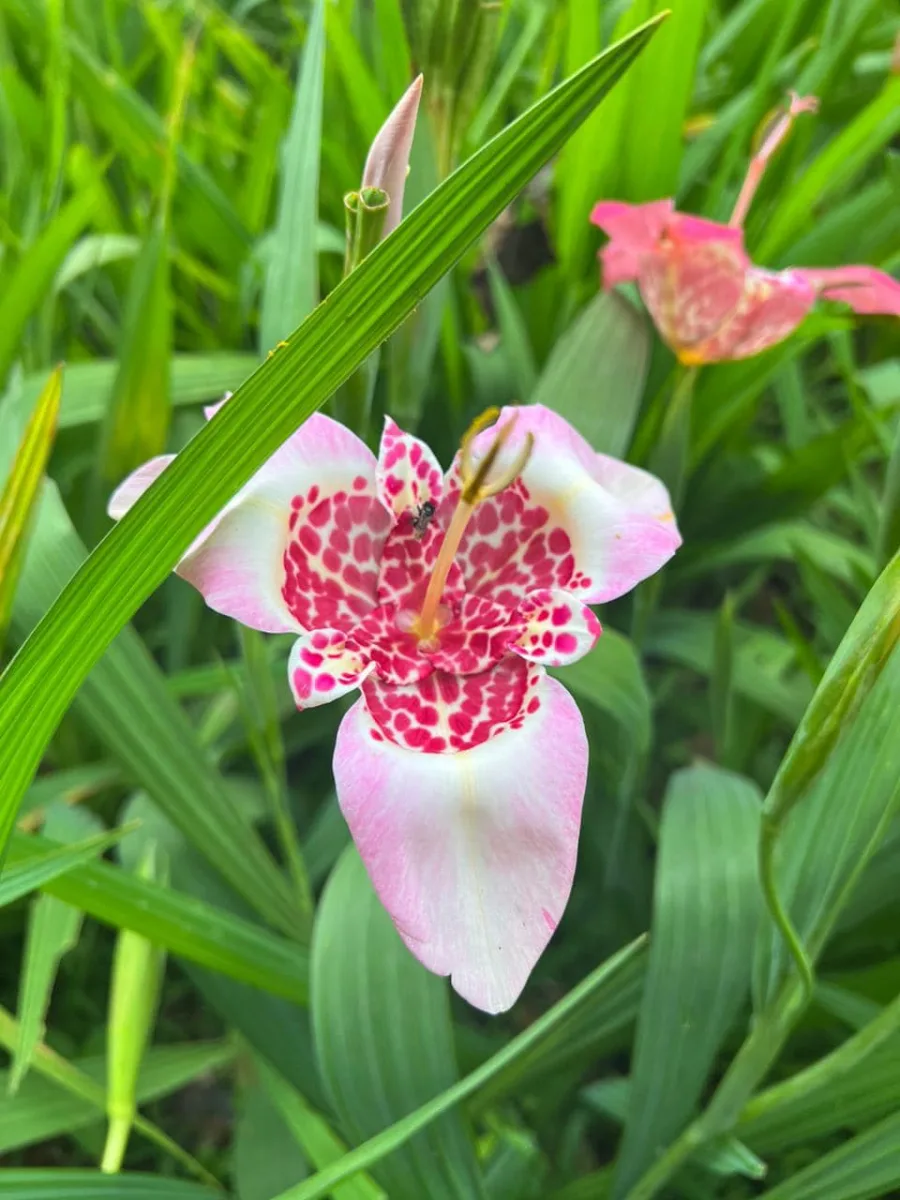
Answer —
889 531
51 1065
138 968
366 212
829 1069
264 729
871 640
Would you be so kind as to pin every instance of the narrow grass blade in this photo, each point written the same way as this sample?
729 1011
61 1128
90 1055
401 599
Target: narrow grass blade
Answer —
52 931
291 286
865 1168
32 277
320 1144
138 418
41 863
384 1039
705 912
137 974
660 91
193 379
335 340
265 1157
71 1095
845 745
19 495
60 1184
366 1156
181 924
596 372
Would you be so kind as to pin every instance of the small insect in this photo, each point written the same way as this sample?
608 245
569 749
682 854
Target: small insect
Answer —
423 519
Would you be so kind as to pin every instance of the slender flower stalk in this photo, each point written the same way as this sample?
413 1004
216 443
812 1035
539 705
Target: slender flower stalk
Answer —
760 161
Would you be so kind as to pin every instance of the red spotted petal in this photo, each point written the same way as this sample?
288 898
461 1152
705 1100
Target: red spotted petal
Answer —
558 629
576 520
446 713
385 638
408 473
771 307
407 561
323 666
477 638
331 561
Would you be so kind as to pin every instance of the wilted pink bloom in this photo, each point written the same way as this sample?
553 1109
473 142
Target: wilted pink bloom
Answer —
461 769
708 300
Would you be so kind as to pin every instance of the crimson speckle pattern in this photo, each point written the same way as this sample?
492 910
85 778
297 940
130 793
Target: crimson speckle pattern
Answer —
512 546
447 712
330 563
357 569
323 666
408 473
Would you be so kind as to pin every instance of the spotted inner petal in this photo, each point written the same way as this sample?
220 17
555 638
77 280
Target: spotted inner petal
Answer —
408 473
557 629
331 561
407 561
322 666
514 546
446 713
477 638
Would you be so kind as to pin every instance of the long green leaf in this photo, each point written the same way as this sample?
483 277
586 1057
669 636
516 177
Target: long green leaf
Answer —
336 338
41 862
180 923
193 379
596 372
19 495
53 929
375 1149
846 746
88 1185
705 912
866 1168
292 286
384 1039
32 278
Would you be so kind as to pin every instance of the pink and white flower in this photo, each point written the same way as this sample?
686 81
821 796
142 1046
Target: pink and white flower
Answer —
461 768
709 302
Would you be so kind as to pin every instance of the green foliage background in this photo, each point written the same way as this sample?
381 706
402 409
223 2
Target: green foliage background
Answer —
189 947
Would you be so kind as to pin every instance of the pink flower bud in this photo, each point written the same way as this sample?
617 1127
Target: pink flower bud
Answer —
388 160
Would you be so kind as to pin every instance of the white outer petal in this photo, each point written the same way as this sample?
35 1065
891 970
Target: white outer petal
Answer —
472 854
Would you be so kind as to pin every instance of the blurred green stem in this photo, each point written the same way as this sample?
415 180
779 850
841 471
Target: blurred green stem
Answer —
889 532
264 730
668 460
366 212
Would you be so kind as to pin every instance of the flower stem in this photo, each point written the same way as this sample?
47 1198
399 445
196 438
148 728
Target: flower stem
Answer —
763 156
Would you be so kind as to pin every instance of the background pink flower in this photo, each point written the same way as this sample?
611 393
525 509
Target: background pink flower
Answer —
708 300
